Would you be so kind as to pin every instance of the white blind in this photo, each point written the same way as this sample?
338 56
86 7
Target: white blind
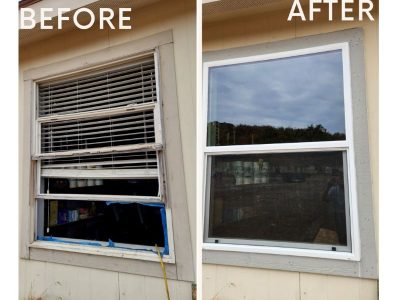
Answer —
127 160
98 132
131 85
118 165
110 113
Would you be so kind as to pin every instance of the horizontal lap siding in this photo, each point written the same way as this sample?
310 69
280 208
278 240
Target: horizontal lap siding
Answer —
230 283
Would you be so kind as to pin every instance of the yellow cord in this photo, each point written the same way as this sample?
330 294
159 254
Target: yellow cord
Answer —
164 272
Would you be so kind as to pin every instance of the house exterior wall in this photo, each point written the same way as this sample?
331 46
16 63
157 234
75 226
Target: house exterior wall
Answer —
56 281
227 282
43 280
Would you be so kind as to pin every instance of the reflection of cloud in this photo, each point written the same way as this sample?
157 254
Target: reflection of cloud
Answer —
290 92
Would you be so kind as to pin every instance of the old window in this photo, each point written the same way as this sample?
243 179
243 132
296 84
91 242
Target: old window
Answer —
99 152
278 152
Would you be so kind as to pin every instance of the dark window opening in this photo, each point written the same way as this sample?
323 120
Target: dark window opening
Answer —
98 186
126 223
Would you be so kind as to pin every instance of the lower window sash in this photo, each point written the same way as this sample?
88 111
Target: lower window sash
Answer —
289 200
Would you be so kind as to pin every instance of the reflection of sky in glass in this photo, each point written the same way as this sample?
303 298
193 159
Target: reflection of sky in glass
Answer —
291 92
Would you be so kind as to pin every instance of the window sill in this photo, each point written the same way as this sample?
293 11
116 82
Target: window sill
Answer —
103 251
282 251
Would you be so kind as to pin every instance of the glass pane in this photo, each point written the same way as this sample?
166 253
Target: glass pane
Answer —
99 186
287 197
288 100
127 223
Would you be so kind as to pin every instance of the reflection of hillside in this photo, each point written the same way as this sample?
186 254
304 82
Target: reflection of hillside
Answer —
230 134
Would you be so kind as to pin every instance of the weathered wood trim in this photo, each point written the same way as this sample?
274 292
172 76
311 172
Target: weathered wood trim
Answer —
27 185
179 234
175 176
102 58
116 264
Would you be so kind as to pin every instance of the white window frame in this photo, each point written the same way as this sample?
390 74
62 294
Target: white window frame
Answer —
288 249
157 146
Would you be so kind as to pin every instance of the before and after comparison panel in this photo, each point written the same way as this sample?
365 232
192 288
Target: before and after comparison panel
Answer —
181 150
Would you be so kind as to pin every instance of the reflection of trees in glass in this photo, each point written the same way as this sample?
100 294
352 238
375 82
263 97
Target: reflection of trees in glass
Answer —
230 134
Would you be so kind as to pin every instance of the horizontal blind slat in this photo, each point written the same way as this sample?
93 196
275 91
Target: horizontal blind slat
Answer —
94 105
90 78
114 141
113 105
118 118
99 150
57 100
50 131
53 91
81 134
132 162
100 173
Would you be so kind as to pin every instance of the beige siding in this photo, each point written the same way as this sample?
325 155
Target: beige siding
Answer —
223 282
50 281
147 288
226 282
316 287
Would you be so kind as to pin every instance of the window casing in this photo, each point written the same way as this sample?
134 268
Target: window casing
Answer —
99 142
179 262
233 148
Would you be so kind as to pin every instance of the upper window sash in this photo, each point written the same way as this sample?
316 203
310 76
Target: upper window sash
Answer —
131 82
152 106
335 144
346 145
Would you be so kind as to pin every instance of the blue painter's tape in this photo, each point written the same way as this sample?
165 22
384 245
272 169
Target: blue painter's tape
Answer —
161 205
163 222
164 225
53 239
141 203
110 243
116 202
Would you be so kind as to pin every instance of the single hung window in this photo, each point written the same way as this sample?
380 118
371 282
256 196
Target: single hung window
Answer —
99 150
278 151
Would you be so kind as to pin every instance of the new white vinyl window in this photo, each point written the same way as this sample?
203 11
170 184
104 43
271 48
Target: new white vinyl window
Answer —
279 157
99 150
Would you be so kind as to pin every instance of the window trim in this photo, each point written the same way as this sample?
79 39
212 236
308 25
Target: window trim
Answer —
278 247
288 248
367 266
175 192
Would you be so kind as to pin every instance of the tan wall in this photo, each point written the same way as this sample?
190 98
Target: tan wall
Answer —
229 283
223 282
89 283
49 281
